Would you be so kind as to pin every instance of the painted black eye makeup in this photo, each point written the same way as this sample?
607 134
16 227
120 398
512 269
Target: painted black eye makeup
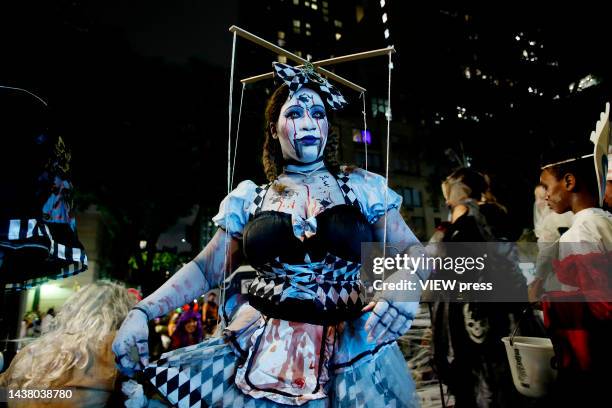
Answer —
294 112
318 112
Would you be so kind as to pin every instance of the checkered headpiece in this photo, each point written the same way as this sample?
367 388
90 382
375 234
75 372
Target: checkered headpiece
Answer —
295 78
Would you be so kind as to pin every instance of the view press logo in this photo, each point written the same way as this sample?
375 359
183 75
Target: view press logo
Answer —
466 271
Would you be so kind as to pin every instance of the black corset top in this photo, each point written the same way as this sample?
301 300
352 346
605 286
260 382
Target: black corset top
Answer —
340 231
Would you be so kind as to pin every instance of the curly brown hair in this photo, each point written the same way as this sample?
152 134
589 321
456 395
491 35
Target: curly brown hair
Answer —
272 157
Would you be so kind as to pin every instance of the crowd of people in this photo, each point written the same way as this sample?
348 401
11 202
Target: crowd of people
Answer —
573 230
185 326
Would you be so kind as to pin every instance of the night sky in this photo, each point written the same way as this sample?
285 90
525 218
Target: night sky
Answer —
177 30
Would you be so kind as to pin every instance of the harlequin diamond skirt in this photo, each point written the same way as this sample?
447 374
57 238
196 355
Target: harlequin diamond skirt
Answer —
204 375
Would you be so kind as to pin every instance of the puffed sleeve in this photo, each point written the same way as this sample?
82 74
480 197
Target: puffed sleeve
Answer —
370 191
234 209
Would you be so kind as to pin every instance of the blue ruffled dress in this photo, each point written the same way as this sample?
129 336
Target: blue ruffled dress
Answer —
301 339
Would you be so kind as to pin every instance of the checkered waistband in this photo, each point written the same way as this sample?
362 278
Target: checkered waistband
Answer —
331 287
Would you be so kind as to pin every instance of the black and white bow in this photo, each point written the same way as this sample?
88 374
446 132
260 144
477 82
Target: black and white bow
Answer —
295 78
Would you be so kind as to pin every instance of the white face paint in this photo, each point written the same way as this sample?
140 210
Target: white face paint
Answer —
302 126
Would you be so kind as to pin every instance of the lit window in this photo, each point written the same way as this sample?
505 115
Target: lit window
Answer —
359 13
298 53
307 3
386 33
379 105
314 6
281 35
412 198
308 33
308 57
384 17
360 136
281 43
338 23
296 30
382 3
338 36
296 2
307 25
296 23
325 4
588 81
282 59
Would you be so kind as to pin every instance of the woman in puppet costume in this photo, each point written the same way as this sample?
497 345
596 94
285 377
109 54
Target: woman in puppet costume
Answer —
76 353
306 337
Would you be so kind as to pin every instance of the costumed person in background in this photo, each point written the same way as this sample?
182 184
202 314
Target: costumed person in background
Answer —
548 227
468 352
210 315
188 330
304 338
579 316
38 239
76 353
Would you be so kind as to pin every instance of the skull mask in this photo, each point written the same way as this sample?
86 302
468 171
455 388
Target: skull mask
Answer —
477 329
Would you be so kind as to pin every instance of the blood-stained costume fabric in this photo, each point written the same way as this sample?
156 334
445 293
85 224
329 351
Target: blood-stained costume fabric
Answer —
301 339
